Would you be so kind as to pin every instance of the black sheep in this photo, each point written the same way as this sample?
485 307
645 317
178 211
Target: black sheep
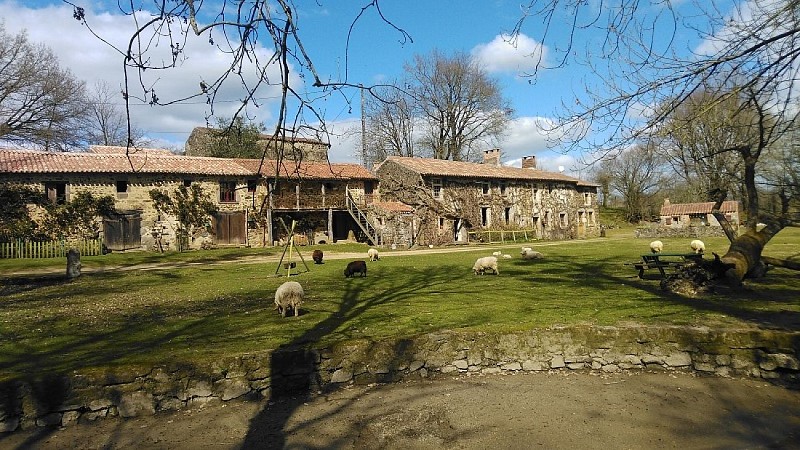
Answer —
317 256
354 267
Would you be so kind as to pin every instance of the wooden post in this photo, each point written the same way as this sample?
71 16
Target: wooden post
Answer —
330 226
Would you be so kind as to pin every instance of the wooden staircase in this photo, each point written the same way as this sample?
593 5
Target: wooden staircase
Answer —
367 229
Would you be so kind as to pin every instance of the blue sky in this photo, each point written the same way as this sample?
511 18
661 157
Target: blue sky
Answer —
375 55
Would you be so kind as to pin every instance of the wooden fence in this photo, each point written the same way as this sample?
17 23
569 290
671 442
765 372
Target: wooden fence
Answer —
49 249
502 236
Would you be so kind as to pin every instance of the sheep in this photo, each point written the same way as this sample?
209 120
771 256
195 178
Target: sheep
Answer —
373 254
482 264
289 295
528 253
497 253
317 256
506 256
354 267
656 246
698 246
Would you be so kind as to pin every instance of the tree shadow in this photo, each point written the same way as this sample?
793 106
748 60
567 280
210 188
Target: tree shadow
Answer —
293 365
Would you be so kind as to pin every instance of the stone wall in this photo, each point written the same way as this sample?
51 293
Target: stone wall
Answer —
68 399
688 232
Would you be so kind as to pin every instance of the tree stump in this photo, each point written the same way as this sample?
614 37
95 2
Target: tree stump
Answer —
73 263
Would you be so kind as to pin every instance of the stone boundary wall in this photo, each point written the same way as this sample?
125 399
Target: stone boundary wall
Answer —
67 399
688 232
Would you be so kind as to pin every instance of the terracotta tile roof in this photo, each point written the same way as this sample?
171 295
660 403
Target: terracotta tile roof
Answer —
29 161
116 150
316 170
393 207
679 209
446 168
114 160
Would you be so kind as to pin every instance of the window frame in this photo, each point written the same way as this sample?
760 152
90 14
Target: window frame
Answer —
227 191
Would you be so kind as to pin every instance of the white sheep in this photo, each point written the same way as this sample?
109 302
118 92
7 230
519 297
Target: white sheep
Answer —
487 262
289 295
506 256
497 253
656 246
373 254
698 246
528 253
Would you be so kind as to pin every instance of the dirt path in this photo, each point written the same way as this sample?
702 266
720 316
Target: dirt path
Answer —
543 410
512 249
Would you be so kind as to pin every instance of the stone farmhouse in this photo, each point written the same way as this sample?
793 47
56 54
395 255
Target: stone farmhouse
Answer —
297 148
449 199
684 215
325 199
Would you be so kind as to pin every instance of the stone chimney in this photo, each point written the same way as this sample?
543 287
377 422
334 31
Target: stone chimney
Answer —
529 162
666 201
491 157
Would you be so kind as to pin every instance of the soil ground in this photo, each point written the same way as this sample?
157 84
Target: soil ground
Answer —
523 411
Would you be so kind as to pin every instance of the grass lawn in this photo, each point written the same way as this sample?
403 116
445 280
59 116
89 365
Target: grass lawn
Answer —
195 314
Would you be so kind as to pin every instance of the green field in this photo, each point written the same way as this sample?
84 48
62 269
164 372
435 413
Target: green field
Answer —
196 307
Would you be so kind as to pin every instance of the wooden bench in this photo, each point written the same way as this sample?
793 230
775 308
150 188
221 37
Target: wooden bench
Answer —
662 261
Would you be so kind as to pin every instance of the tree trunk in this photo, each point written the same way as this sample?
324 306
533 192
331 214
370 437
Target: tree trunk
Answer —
744 253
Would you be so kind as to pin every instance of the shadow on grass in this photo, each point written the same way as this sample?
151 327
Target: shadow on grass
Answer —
293 364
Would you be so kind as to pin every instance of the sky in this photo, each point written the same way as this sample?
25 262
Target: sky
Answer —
376 54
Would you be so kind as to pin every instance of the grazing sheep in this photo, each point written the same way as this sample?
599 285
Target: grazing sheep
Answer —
698 246
506 256
289 295
497 253
373 254
354 267
527 253
656 246
317 256
482 264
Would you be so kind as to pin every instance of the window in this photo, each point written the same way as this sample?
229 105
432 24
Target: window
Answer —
485 187
503 188
591 218
227 191
122 188
562 219
587 199
56 192
187 182
485 216
441 223
536 196
437 188
507 215
251 186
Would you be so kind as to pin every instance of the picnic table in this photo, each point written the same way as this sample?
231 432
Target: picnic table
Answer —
662 261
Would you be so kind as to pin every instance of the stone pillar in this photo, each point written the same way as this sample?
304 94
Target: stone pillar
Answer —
73 263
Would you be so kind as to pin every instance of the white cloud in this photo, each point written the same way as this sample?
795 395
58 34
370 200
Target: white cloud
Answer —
527 136
506 53
91 60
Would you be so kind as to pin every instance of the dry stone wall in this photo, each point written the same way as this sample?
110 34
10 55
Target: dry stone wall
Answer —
67 399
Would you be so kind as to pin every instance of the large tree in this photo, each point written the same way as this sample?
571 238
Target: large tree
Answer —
636 175
107 123
388 124
462 109
751 45
445 107
41 104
